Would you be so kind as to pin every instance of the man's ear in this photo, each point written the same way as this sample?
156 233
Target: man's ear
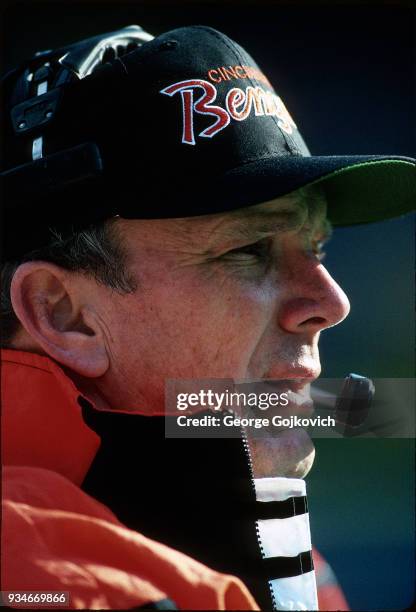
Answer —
53 308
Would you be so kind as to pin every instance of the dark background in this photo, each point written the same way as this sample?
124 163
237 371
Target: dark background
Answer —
346 74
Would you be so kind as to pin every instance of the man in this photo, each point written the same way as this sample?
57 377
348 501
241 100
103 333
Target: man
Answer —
188 243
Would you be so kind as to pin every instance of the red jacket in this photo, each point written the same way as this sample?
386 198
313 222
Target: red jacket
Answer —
56 537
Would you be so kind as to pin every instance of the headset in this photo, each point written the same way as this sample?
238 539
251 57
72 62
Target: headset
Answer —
31 94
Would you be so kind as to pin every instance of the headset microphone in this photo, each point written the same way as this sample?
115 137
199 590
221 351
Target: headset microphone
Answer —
351 406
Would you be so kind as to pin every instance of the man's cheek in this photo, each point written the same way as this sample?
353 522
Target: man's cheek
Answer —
264 295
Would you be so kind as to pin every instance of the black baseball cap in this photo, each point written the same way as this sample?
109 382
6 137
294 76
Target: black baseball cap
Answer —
186 125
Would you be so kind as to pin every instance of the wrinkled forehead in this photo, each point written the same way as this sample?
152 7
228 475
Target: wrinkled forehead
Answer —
303 210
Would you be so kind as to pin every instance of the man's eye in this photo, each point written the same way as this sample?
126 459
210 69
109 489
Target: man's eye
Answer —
259 250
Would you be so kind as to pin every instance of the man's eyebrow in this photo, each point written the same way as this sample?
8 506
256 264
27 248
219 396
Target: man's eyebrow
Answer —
265 223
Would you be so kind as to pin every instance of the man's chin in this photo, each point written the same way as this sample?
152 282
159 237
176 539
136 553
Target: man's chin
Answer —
303 468
289 454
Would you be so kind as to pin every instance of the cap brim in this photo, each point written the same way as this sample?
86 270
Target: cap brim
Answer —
359 189
370 191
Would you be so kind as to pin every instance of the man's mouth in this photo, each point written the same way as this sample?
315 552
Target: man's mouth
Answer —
298 394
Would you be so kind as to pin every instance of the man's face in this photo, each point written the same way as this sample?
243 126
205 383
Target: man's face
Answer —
232 295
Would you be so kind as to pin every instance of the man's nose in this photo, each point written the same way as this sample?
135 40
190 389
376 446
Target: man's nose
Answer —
314 302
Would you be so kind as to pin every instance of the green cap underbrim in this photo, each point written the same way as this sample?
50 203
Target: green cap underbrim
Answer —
369 191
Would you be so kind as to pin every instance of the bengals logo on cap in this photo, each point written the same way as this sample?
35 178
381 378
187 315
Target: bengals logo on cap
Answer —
198 96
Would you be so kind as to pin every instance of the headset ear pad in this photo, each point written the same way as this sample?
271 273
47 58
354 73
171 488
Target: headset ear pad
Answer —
64 188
